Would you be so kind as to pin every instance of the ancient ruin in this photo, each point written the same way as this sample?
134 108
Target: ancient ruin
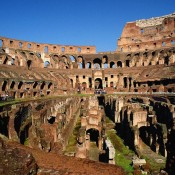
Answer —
64 107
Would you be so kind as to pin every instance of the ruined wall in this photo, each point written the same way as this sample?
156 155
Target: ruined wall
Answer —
45 125
148 34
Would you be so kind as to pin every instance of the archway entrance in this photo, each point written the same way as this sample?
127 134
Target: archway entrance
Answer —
98 83
93 153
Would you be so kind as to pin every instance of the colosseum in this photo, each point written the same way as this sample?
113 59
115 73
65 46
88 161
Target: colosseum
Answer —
67 109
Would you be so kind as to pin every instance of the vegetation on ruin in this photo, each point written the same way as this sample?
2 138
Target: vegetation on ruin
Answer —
123 155
71 147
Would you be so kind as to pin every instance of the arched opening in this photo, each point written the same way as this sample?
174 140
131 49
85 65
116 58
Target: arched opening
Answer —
55 57
119 64
98 83
90 82
35 85
29 63
12 85
112 64
1 42
5 61
97 63
13 61
88 65
127 63
94 135
20 85
43 85
4 86
105 61
46 64
80 65
84 86
46 49
71 82
80 62
111 84
125 82
4 120
166 60
49 85
72 58
51 119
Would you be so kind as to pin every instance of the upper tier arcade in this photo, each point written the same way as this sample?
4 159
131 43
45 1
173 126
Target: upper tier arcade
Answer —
45 48
148 34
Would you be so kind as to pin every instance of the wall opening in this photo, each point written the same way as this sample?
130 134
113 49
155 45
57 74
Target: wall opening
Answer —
35 85
49 85
163 44
20 85
5 61
51 119
46 64
94 135
98 83
125 82
29 63
42 85
112 64
90 82
127 63
20 44
119 64
12 85
97 63
1 42
4 85
88 65
63 49
46 49
72 58
79 49
29 46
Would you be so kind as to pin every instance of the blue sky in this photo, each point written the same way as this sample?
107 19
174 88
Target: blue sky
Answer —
76 22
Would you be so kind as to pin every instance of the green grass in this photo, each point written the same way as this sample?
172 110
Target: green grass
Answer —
71 147
122 153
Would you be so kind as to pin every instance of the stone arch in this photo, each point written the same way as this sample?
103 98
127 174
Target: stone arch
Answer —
42 85
84 85
105 61
5 60
94 135
20 85
4 86
80 62
1 43
112 64
97 63
46 64
35 85
50 85
98 83
88 65
166 60
119 64
29 64
125 82
12 85
71 82
127 63
72 58
111 84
